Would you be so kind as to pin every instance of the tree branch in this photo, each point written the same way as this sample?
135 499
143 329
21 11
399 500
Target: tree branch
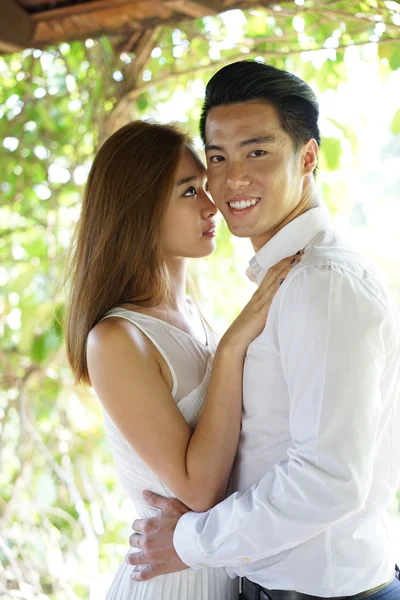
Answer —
133 94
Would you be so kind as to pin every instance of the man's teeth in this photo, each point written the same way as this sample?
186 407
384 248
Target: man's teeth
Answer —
240 204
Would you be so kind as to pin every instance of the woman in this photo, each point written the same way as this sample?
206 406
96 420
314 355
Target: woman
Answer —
172 399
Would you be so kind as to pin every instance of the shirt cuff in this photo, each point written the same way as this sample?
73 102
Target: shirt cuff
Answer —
185 541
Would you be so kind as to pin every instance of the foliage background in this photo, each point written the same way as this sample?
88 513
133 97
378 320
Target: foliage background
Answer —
62 516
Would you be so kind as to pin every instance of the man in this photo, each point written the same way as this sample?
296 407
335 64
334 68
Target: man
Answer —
319 455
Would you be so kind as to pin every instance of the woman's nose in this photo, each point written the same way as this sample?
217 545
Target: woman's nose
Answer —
208 208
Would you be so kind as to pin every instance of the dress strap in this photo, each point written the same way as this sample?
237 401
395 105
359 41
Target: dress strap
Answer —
127 315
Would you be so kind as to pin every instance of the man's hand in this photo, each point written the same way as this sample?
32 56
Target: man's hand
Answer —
154 537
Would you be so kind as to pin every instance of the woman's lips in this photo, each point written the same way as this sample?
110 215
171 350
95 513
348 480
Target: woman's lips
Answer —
210 232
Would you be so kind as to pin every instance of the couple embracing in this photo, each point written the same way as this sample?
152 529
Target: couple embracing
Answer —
270 455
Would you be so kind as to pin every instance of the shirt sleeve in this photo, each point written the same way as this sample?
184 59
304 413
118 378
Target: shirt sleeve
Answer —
331 335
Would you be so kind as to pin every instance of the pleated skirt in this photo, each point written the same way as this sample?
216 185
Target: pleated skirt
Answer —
204 584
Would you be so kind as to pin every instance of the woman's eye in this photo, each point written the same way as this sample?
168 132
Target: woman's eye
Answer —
216 159
258 153
191 191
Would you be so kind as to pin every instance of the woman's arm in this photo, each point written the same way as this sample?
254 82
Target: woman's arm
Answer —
126 375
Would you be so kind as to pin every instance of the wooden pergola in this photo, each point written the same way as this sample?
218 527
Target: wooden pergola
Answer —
40 23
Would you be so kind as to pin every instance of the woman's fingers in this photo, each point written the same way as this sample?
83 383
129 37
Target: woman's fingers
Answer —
277 274
285 269
251 321
274 278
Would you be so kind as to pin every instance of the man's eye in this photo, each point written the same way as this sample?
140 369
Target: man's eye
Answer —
216 159
257 153
191 191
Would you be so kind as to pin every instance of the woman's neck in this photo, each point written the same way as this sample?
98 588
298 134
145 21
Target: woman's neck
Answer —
177 299
177 270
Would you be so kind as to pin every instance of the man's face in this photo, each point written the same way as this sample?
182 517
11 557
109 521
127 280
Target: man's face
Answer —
255 176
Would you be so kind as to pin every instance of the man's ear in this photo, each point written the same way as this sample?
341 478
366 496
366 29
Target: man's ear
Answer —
310 156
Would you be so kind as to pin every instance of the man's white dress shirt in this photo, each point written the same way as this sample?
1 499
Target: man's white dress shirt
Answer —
319 453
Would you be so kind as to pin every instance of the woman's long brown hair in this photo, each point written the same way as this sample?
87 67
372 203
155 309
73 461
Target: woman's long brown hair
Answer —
116 256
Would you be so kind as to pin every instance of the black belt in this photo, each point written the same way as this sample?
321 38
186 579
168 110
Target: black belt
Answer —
253 591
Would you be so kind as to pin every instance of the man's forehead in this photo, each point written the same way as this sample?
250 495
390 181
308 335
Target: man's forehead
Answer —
241 121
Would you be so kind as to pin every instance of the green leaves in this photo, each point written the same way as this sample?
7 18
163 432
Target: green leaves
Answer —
391 52
395 126
45 344
331 151
257 26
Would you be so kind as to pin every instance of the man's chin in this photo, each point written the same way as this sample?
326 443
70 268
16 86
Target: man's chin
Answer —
258 237
242 231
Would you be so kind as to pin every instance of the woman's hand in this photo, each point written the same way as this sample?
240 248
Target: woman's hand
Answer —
251 321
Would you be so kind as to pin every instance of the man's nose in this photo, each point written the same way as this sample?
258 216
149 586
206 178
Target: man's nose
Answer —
237 177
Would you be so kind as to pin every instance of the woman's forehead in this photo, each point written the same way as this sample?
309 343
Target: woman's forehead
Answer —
190 164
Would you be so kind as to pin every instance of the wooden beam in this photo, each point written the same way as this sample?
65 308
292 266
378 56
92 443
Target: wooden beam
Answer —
16 27
196 8
74 10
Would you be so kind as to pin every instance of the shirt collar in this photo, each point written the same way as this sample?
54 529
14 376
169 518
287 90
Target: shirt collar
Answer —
295 236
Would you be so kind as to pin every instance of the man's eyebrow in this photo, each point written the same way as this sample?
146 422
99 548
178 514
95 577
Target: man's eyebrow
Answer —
186 179
212 147
266 139
260 139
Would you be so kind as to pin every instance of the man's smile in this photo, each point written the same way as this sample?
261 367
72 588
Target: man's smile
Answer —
243 204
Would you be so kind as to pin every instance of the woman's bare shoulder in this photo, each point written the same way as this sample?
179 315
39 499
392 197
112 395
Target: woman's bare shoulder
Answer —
115 333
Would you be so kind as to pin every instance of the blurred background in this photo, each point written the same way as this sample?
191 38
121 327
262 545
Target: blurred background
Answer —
64 523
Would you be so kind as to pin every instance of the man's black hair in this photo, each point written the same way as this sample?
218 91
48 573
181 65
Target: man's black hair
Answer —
246 81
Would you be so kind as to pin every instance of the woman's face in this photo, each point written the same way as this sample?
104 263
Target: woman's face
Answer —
189 228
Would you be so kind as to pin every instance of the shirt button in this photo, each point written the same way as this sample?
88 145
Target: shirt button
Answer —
245 559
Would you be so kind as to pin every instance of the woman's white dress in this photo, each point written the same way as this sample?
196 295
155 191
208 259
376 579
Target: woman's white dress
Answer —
190 363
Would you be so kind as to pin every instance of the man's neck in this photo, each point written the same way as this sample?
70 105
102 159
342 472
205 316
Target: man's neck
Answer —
307 202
